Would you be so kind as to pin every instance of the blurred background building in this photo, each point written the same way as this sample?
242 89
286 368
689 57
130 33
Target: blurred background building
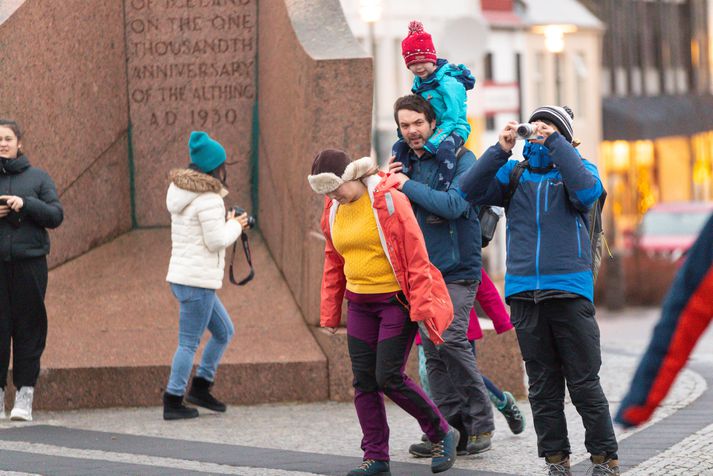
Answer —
657 105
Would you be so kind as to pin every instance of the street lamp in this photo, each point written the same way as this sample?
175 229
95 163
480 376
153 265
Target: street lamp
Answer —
554 35
370 12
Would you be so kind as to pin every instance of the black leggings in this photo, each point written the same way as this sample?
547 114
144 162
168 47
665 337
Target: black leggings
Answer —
23 319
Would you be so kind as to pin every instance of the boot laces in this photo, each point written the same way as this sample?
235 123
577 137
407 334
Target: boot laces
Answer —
438 450
600 469
366 464
557 469
512 411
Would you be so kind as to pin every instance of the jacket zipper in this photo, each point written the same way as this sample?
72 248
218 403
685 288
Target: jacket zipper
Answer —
579 239
453 243
547 196
539 231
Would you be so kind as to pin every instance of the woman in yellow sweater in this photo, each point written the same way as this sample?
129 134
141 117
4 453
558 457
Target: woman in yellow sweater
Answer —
376 257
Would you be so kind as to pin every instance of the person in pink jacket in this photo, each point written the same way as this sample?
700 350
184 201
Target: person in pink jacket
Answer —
492 303
376 258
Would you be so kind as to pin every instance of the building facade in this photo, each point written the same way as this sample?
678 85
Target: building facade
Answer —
657 104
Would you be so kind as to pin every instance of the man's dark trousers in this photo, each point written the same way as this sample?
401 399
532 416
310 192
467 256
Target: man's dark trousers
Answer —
453 374
559 341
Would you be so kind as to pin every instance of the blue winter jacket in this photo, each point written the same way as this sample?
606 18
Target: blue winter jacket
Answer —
449 223
447 96
547 239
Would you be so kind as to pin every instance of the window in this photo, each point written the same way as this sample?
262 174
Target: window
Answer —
579 61
559 78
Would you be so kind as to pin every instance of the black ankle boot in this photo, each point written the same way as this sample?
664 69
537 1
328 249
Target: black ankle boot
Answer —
174 409
199 394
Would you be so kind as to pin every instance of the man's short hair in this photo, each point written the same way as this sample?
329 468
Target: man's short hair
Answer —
414 102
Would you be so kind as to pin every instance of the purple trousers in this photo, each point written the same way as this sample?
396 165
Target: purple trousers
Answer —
380 336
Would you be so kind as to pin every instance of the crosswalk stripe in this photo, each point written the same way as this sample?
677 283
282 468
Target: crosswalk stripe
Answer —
213 468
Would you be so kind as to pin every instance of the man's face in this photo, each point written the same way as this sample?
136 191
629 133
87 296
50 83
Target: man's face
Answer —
414 127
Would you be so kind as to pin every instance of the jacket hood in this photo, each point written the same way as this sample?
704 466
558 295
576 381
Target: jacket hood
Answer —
187 185
14 166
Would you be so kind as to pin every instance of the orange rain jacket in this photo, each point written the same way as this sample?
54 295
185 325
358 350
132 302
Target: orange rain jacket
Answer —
405 248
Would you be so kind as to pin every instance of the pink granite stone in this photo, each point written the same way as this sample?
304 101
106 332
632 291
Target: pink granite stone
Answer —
64 81
114 328
191 66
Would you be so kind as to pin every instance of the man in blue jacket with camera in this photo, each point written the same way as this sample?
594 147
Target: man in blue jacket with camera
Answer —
549 282
451 229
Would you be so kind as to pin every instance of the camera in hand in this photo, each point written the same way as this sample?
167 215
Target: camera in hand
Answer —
3 201
239 211
527 131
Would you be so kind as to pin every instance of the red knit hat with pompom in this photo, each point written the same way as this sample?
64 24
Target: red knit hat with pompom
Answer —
418 47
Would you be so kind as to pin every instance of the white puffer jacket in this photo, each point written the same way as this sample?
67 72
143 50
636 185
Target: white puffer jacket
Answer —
199 232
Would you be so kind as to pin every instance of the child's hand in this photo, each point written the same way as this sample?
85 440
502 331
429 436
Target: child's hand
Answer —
508 136
395 167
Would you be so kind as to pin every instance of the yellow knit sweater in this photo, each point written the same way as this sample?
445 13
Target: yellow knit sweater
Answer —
356 239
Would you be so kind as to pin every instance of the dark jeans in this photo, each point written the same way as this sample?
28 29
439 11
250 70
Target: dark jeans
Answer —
380 335
559 341
23 319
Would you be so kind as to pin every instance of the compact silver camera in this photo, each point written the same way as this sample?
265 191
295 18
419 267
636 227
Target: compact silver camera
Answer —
527 131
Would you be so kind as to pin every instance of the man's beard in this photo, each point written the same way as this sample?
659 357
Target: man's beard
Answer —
410 141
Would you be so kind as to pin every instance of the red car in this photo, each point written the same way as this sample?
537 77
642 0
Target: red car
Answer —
669 229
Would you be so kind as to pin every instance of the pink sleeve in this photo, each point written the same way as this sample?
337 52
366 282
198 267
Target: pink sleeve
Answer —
474 330
493 305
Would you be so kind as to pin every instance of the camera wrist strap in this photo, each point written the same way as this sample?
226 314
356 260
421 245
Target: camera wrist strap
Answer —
248 258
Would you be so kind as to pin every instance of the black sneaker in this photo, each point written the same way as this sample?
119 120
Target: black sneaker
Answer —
174 409
512 414
200 395
421 450
371 467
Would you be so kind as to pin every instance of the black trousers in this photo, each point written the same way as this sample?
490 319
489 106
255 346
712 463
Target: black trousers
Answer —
559 341
23 319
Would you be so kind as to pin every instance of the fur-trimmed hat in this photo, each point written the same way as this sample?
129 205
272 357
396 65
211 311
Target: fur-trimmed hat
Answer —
561 117
332 167
418 47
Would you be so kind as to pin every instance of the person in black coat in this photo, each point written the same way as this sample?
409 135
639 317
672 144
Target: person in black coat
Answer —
28 207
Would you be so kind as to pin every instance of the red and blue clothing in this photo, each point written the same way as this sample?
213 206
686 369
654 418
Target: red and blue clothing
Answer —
687 311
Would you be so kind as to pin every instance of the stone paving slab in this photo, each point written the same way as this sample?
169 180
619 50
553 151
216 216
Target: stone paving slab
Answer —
324 438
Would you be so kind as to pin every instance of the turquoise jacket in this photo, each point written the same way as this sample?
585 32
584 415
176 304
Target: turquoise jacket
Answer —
445 90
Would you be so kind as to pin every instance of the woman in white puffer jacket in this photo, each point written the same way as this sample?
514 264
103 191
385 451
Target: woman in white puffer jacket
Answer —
200 233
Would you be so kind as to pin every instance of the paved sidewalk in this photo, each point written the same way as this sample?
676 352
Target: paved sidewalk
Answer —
323 438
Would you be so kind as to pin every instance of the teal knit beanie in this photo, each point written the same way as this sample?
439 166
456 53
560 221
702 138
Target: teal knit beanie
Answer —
206 153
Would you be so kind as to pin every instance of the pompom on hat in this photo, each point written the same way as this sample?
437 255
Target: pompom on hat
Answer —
561 117
332 167
207 154
418 47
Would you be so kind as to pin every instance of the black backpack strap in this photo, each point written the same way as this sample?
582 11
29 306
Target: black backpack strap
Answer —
515 175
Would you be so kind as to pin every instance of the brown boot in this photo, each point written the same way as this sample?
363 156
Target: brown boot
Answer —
604 466
558 465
